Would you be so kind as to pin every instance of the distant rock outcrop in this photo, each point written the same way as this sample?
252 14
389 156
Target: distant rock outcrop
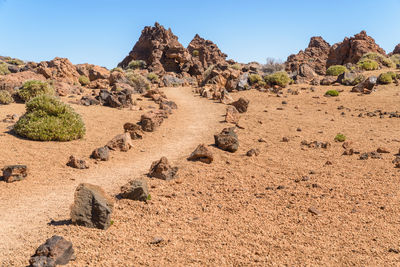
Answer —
315 56
352 49
161 51
396 50
204 54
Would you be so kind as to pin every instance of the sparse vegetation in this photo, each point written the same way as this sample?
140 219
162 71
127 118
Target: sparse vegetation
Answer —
255 79
139 82
272 65
4 68
31 89
15 61
395 59
152 77
368 64
148 197
336 70
381 59
48 119
236 66
84 80
332 93
387 77
117 69
340 137
280 78
5 97
137 64
195 53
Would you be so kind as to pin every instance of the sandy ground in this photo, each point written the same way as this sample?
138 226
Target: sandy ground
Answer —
238 210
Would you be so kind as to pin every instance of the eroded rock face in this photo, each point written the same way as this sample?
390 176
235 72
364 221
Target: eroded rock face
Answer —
92 207
204 54
314 56
55 251
161 51
352 49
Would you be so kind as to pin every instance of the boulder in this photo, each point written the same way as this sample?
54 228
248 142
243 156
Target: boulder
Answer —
101 153
14 173
77 163
55 251
232 115
152 120
161 169
241 104
328 80
134 130
202 153
122 142
366 86
92 207
350 78
135 190
312 58
227 140
352 49
253 152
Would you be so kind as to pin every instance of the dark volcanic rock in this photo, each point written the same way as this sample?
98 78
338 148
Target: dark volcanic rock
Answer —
101 153
202 153
227 140
14 173
135 190
161 169
55 251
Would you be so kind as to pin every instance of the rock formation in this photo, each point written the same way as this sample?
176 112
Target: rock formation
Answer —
396 50
315 56
161 51
352 49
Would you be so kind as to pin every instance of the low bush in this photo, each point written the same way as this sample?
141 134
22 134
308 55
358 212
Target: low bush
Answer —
255 79
340 137
4 68
236 66
381 59
395 59
31 89
140 83
152 77
336 70
195 53
15 61
137 64
368 64
84 80
5 97
49 119
387 77
117 69
332 93
280 78
272 65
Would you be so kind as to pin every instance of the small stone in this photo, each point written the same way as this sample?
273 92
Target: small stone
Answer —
14 173
232 115
55 251
202 153
262 140
77 163
122 142
280 187
393 250
134 130
382 150
328 163
298 129
161 169
241 104
101 153
156 240
135 190
314 211
285 139
227 140
253 152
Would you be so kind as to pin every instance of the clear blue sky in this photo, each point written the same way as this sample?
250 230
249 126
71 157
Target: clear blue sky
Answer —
102 32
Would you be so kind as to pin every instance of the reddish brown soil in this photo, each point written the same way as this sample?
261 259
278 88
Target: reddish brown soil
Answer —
230 212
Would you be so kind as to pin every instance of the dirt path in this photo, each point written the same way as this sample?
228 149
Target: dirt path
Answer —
22 217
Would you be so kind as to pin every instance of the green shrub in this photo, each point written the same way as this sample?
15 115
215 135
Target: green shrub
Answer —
137 64
280 78
395 59
340 137
336 70
195 53
236 66
15 61
381 59
255 79
4 68
117 69
386 78
31 89
332 93
368 64
152 77
5 97
49 119
137 81
84 80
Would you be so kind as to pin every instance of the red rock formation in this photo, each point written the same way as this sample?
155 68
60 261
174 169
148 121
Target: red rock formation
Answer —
60 69
204 54
352 49
315 56
161 50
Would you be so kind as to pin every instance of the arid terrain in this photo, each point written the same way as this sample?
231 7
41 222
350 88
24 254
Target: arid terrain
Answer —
301 199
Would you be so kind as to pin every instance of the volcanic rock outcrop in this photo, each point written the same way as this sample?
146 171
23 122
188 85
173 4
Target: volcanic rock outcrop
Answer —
352 49
315 56
161 51
396 50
